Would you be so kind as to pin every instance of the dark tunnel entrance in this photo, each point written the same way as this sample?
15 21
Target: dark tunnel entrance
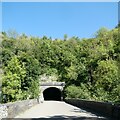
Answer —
52 93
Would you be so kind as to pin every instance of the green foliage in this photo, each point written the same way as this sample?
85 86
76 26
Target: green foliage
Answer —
100 68
81 92
21 69
31 81
106 74
115 96
65 36
89 67
102 32
11 83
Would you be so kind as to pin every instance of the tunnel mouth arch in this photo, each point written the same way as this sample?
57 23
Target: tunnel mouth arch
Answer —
52 93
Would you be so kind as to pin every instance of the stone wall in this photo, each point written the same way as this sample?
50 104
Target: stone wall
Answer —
10 110
3 111
107 109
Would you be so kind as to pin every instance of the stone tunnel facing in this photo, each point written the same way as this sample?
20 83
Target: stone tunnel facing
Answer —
52 93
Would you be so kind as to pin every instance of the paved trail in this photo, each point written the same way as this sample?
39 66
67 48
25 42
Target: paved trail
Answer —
55 109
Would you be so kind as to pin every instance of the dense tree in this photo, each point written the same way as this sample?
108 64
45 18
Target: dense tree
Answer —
11 83
89 67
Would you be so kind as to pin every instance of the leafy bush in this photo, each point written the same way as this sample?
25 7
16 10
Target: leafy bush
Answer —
81 92
14 73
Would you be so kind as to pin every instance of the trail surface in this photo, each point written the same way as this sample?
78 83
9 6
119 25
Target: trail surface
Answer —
56 109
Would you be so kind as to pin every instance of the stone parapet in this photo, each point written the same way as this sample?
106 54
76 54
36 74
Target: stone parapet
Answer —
10 110
3 111
107 109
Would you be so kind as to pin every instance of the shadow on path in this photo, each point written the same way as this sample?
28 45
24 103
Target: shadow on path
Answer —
59 117
62 117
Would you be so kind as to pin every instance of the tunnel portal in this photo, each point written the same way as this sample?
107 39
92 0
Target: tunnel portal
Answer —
52 93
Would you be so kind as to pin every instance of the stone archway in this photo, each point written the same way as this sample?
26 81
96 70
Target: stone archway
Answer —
52 93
